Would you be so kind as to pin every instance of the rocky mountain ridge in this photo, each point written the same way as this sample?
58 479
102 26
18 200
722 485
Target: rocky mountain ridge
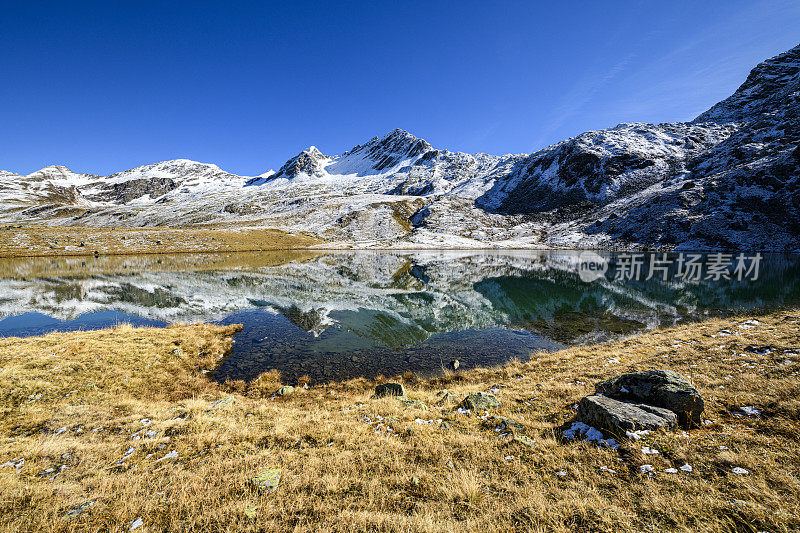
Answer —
727 180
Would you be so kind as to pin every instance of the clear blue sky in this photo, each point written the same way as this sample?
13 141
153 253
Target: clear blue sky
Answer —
105 86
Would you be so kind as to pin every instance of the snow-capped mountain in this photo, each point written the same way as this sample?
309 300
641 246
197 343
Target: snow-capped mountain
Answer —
728 179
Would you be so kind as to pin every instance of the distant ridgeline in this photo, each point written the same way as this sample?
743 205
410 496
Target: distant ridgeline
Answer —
726 180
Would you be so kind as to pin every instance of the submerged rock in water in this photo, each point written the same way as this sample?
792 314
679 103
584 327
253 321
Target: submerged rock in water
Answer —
660 388
618 417
479 401
389 389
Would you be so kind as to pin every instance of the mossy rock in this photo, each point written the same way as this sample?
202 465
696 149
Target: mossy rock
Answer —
412 403
267 480
480 401
523 441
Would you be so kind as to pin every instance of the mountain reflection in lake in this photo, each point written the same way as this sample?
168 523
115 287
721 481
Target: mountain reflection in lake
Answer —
338 315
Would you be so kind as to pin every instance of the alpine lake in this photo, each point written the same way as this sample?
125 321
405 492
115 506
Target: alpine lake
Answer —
333 315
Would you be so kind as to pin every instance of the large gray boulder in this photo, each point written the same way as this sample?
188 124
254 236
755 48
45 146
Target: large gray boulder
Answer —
616 417
660 388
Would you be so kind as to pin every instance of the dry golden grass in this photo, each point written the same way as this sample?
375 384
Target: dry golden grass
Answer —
32 241
83 266
341 472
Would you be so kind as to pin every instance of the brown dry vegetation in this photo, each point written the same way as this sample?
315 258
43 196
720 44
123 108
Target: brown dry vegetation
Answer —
83 266
342 472
30 241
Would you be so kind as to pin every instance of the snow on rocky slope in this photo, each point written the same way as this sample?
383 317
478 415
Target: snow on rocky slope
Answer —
725 180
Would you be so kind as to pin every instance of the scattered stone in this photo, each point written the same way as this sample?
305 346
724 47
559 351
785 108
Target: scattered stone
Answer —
222 402
480 401
506 423
411 403
671 470
444 397
267 480
79 510
739 471
454 364
687 468
647 450
646 469
389 389
524 441
618 417
286 390
59 431
659 388
561 473
136 524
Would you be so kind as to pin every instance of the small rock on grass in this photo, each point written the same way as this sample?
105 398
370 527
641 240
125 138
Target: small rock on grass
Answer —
79 510
286 390
267 480
444 397
506 423
480 401
389 389
222 402
524 441
411 403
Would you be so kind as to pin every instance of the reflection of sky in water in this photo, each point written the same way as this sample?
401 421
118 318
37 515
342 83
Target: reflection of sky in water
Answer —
28 324
338 315
271 341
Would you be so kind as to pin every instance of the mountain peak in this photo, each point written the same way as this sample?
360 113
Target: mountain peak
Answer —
767 86
310 162
52 172
390 149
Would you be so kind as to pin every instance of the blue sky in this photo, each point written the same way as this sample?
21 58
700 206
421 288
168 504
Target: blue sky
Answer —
106 86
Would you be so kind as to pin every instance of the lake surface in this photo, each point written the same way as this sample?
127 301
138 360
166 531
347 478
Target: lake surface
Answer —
337 315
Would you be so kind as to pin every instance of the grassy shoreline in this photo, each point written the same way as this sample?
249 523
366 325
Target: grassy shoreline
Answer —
78 241
149 393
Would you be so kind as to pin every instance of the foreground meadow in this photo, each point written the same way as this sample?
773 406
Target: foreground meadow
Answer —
123 429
